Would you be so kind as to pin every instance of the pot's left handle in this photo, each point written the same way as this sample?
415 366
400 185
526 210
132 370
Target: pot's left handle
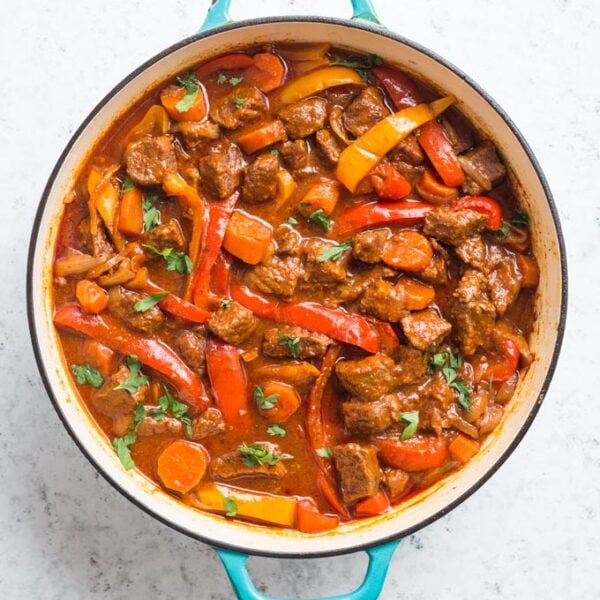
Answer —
379 561
218 13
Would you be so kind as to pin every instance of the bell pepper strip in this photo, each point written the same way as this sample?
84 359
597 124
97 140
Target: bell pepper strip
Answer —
219 277
389 183
248 237
530 271
219 213
415 454
317 81
152 352
154 122
440 152
482 204
430 188
336 323
387 336
229 62
267 72
498 368
368 150
463 448
262 135
228 381
399 87
178 307
310 520
376 213
373 506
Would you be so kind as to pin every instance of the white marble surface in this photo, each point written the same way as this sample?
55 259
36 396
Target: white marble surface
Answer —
532 532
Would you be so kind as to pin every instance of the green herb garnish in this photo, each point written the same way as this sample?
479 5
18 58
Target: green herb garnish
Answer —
85 374
239 102
334 253
292 343
176 260
276 431
230 506
121 446
127 185
264 402
168 403
320 218
135 379
324 452
222 79
520 218
292 221
361 65
149 301
449 363
138 416
192 88
225 303
503 231
256 455
412 422
275 152
151 213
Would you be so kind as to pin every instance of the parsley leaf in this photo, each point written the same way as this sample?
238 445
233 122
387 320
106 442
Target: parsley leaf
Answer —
292 221
192 88
127 185
449 362
135 379
151 213
324 452
168 403
256 455
275 152
264 402
176 260
85 374
334 253
292 343
503 231
239 102
276 431
221 78
412 422
149 301
361 65
438 359
320 218
233 81
225 303
230 506
121 446
520 218
138 416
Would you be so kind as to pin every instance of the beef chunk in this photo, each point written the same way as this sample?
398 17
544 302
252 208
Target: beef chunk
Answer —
304 117
408 151
458 132
232 323
165 426
327 271
194 133
310 344
242 105
278 275
483 169
358 470
121 303
209 423
472 251
396 481
471 312
149 159
330 146
288 240
436 272
368 378
97 243
371 418
341 95
230 465
384 301
411 366
295 155
504 282
425 328
453 226
368 245
190 344
260 179
220 170
352 288
364 111
167 235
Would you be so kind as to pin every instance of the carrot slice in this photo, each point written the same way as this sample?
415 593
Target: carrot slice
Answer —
247 237
172 95
417 296
100 356
182 465
91 296
286 402
131 212
415 454
323 195
310 520
266 73
529 270
408 250
373 506
262 135
463 448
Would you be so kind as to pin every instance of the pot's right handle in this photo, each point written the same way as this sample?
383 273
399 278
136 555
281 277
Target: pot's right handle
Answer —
379 561
218 13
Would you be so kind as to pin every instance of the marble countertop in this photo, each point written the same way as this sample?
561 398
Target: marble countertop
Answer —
533 531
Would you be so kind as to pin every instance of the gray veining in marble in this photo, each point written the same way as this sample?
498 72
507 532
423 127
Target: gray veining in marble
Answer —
532 532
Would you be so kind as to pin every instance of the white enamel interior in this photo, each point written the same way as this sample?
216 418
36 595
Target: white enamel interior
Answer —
410 515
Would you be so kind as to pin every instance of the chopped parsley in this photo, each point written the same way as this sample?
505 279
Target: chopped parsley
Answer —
320 218
151 213
292 344
361 65
275 152
503 231
324 452
449 363
192 89
256 455
412 422
222 79
292 221
168 403
121 446
239 102
230 506
149 301
85 374
264 402
520 218
127 185
176 260
334 253
276 431
136 379
225 303
138 416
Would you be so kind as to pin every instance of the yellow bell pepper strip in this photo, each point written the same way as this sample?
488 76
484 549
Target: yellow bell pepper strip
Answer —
267 508
317 81
359 158
154 122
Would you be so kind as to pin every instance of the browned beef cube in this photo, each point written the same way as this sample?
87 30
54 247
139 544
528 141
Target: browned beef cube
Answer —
232 323
341 95
150 159
260 179
288 341
121 304
295 154
288 240
396 481
368 245
358 470
322 271
384 301
408 151
368 378
167 235
242 105
190 344
436 272
504 282
194 133
471 312
231 465
483 169
453 226
364 111
371 418
220 170
411 366
209 423
330 145
458 132
304 117
353 287
165 426
97 244
425 328
473 251
279 275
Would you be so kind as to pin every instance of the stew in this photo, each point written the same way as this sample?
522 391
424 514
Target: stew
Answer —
294 287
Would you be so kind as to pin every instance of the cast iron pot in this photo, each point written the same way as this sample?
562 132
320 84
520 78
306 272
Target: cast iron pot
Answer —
379 536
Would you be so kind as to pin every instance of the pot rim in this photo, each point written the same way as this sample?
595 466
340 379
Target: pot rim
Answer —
354 24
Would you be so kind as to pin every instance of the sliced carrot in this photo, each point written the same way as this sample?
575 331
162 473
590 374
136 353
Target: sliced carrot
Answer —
262 135
182 465
131 212
91 296
463 448
323 195
247 237
432 189
266 73
417 296
171 96
373 506
310 520
529 270
408 250
286 402
100 356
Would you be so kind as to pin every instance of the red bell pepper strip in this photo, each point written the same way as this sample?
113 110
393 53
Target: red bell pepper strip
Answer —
375 213
415 454
504 367
440 152
179 307
336 323
310 520
228 381
229 62
400 87
482 204
220 275
389 183
152 352
219 212
373 506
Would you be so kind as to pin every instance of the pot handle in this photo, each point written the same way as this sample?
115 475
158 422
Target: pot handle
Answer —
370 588
218 13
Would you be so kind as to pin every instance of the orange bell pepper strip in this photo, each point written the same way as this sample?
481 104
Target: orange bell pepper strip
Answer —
247 237
415 454
228 381
463 448
373 506
267 72
151 351
430 188
389 183
440 152
482 204
154 122
178 307
323 195
310 520
229 62
131 211
262 135
530 271
317 81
